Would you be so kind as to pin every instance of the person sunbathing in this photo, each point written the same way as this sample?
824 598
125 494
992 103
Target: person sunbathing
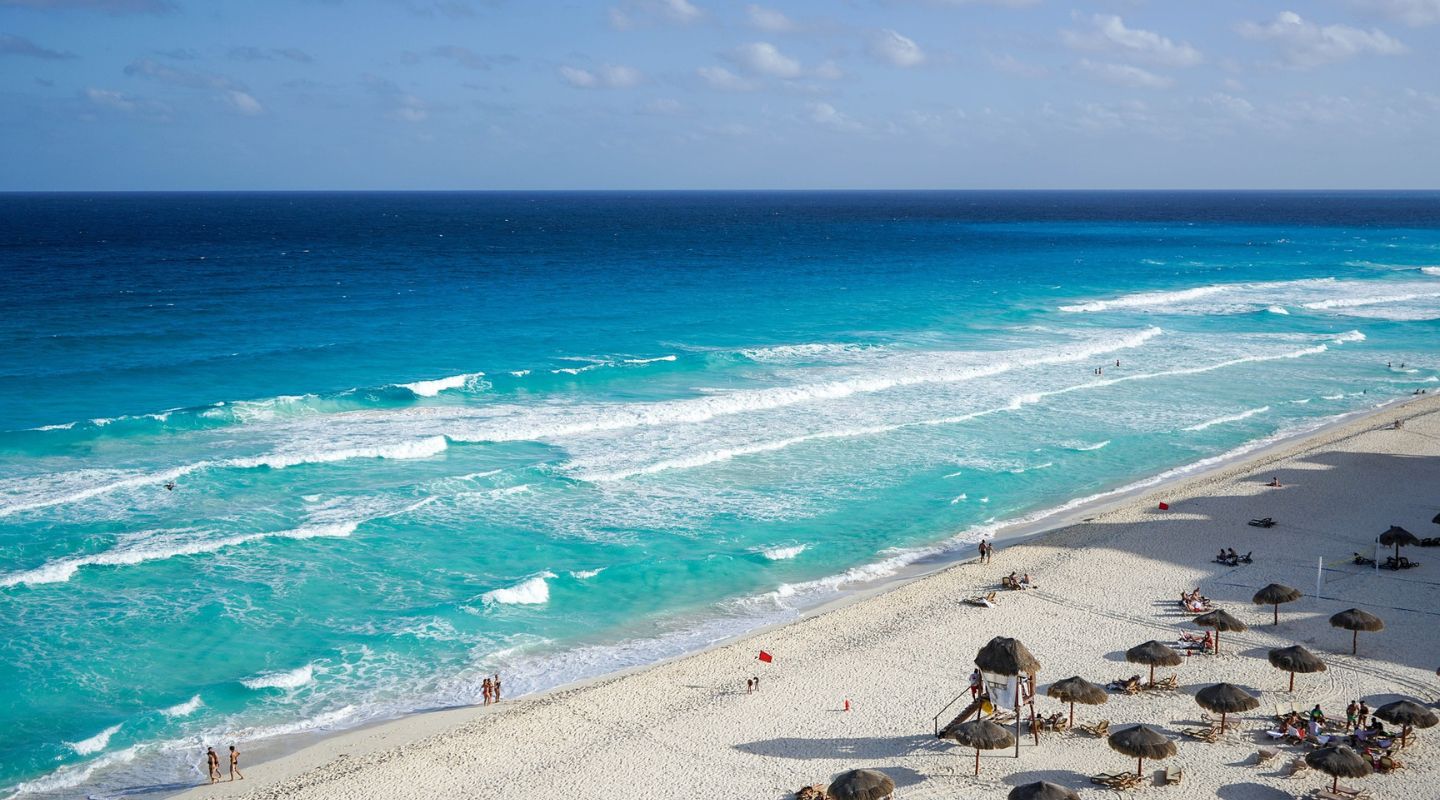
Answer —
1026 582
1274 482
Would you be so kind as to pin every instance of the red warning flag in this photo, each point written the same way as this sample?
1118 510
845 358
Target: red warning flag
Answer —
1164 506
766 657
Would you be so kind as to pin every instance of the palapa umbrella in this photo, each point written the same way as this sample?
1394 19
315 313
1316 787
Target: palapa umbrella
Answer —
1041 790
1141 742
1220 620
1077 690
981 734
1295 659
1399 537
1154 654
1226 698
1407 714
1338 761
1007 657
1274 595
1356 620
1436 519
862 784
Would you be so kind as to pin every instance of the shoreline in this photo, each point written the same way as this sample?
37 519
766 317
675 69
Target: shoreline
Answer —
292 757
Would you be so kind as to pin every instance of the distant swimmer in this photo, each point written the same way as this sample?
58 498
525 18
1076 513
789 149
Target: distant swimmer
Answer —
1117 362
170 486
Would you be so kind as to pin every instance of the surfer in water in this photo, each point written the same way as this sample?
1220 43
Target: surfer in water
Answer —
170 486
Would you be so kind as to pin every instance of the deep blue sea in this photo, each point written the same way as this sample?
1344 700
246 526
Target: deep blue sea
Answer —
417 438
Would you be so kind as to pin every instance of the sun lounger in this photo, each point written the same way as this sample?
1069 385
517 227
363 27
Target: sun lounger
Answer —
987 601
1173 775
1262 523
1167 683
1211 735
1099 730
1264 754
1120 782
1297 767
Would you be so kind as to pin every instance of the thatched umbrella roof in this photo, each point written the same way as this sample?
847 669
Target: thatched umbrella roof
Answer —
1006 656
981 734
1399 537
1356 620
1141 742
1226 698
1041 790
1077 690
1407 714
1274 595
1436 519
1220 620
862 784
1295 659
1155 655
1339 761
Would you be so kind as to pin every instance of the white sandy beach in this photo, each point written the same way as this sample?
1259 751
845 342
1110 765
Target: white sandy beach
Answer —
687 727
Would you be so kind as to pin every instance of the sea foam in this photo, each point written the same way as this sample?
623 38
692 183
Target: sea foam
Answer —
783 553
184 709
290 679
532 591
1209 423
431 388
95 743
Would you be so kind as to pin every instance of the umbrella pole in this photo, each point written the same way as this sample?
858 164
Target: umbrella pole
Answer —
1335 785
1072 713
1217 641
1152 676
977 761
1018 690
1292 681
1222 721
1139 767
1277 613
1354 642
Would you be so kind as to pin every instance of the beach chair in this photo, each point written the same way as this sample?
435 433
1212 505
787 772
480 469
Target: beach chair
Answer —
1173 775
1168 683
1297 767
1210 735
1099 730
1264 754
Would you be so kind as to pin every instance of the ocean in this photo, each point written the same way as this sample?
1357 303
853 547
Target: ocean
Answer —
417 438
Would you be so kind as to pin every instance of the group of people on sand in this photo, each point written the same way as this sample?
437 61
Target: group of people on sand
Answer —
1018 581
1194 601
1191 641
1229 557
212 764
752 685
490 688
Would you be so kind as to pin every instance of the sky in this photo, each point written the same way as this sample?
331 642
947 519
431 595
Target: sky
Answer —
718 94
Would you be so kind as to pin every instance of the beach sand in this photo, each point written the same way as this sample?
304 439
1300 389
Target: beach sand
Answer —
687 727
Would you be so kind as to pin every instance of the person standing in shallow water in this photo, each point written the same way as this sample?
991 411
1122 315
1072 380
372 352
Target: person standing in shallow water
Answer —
495 687
235 764
487 690
212 763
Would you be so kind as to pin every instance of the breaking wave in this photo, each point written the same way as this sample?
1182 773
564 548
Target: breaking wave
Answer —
532 591
1209 423
470 380
292 679
95 743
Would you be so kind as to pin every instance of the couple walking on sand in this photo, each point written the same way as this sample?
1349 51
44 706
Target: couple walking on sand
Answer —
985 550
491 689
212 761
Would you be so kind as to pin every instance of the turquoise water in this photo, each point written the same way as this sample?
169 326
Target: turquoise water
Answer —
415 439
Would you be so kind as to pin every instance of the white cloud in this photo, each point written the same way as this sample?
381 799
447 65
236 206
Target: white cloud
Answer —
768 19
609 76
826 115
763 58
245 103
721 78
1108 34
1304 44
1125 75
109 98
627 15
1011 65
1414 13
892 47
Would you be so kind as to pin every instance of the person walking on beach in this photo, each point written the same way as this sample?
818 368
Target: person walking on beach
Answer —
212 762
487 690
756 682
989 550
495 687
1364 714
974 684
1350 714
235 764
749 686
